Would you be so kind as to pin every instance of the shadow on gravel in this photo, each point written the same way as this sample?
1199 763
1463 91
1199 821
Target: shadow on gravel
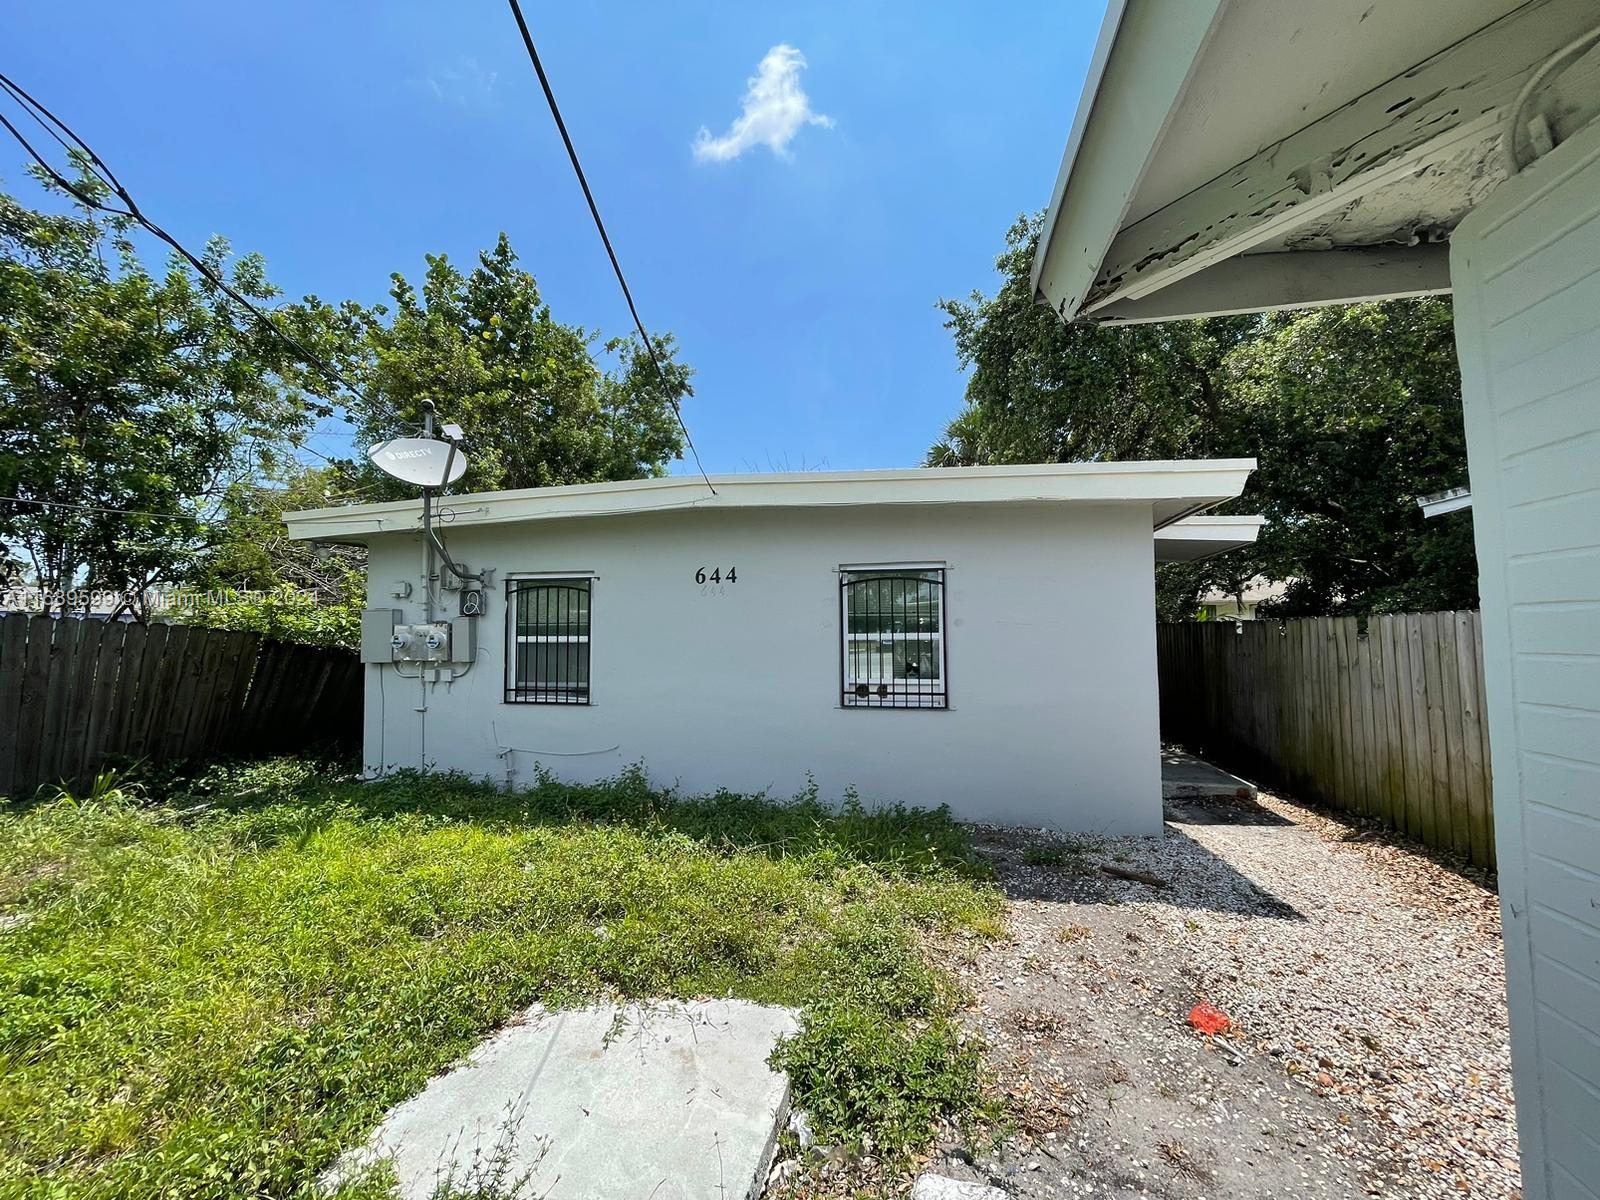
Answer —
1213 810
1061 868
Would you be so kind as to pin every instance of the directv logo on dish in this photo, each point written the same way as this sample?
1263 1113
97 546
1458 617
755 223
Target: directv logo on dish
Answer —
421 462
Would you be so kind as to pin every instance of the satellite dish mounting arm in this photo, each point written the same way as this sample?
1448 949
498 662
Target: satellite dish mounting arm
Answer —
428 531
428 504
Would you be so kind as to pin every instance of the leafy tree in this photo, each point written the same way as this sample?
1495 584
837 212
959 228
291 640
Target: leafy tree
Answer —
255 578
537 406
1353 412
252 550
1044 391
123 389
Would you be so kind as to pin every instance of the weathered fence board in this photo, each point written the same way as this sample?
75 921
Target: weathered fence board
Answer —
77 694
13 653
1381 716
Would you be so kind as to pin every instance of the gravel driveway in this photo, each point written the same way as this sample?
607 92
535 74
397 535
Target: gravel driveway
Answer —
1368 1053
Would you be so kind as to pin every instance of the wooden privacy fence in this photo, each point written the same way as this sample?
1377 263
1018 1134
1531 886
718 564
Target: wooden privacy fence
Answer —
1382 716
75 693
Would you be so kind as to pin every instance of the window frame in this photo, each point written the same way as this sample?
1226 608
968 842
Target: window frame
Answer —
517 691
902 697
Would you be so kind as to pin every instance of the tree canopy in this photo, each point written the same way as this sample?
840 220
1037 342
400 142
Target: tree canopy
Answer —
538 405
256 578
130 400
151 429
1353 412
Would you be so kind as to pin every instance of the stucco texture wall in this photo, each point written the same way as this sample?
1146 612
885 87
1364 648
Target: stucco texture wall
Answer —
1051 660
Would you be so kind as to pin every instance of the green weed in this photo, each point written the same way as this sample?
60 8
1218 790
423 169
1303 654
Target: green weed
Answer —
1066 855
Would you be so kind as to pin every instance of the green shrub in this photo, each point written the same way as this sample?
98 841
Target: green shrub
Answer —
287 614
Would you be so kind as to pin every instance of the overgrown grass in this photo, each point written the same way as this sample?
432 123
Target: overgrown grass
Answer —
215 994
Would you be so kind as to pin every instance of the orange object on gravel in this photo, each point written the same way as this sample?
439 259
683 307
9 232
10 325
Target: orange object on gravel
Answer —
1208 1018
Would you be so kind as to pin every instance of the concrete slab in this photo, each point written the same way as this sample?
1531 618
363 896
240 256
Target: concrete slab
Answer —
672 1101
1185 777
940 1187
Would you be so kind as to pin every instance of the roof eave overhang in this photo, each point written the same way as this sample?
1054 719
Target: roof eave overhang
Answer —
1172 490
1199 538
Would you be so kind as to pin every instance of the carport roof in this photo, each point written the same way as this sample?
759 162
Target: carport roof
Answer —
1235 155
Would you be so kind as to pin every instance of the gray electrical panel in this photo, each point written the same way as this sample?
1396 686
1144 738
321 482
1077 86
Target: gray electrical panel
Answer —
377 632
464 640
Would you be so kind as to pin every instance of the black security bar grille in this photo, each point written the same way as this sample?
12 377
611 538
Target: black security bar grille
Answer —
893 652
547 660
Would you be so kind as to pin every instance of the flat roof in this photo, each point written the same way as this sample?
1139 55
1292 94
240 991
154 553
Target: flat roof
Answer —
1173 490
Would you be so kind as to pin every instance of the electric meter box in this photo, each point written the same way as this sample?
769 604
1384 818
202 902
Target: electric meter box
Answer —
385 639
425 642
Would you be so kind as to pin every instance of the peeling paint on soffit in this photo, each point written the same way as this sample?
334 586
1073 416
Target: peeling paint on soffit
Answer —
1451 130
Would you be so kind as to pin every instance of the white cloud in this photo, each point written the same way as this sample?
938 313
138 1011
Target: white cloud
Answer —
465 83
775 108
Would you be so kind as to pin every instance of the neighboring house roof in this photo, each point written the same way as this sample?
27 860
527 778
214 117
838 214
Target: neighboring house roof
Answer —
1234 155
1173 490
1256 590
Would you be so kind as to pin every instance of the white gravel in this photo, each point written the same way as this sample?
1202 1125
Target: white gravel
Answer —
1369 1049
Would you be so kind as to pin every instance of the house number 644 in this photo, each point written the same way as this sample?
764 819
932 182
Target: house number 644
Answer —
717 575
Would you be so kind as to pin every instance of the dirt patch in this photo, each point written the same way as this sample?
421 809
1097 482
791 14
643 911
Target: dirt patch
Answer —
1368 1050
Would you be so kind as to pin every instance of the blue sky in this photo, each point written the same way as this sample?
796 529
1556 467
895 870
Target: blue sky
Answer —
344 141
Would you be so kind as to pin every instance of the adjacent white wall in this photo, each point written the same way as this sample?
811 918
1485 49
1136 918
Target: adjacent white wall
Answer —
1052 675
1526 265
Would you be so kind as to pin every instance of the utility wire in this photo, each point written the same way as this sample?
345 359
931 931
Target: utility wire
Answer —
594 211
131 512
103 508
69 140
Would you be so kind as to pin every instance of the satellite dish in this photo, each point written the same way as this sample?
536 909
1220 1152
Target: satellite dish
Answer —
421 462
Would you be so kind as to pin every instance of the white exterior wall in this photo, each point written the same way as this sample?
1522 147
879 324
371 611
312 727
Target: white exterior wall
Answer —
1051 660
1526 266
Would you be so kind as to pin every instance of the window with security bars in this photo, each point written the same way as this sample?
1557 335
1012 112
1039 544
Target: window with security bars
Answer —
893 629
547 654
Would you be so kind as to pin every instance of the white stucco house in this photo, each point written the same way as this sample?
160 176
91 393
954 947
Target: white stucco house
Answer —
1235 155
981 637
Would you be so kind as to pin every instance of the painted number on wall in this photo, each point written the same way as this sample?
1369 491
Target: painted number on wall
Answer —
716 575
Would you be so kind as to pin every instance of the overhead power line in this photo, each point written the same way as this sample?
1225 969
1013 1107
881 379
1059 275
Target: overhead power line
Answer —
143 512
103 508
594 211
64 135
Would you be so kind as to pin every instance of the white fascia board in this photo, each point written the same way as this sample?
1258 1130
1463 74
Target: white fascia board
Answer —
1141 67
1109 26
1197 538
1173 489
